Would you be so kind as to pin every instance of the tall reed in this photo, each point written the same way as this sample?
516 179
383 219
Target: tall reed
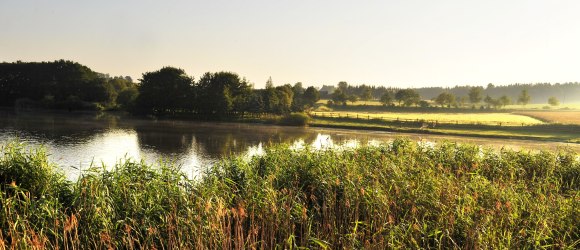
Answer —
401 194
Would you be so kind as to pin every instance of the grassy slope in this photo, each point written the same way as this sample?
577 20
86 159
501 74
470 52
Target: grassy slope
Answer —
398 195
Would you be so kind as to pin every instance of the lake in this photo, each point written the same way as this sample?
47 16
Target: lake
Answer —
75 141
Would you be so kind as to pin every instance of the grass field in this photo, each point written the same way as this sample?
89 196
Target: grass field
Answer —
505 119
397 195
515 132
563 117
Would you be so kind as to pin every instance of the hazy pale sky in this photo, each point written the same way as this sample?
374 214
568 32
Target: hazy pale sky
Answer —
394 43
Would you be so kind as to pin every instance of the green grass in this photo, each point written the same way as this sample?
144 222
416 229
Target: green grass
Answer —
548 132
397 195
505 119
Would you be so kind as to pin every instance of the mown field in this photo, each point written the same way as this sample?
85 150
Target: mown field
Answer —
542 106
563 117
504 119
398 195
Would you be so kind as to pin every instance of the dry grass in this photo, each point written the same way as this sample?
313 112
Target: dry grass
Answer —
563 117
357 103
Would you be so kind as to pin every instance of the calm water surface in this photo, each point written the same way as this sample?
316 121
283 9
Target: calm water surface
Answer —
76 141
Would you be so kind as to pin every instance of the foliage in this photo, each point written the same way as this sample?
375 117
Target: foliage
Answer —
220 93
553 101
339 97
311 96
445 99
164 90
295 119
524 97
407 97
397 195
475 94
386 99
52 84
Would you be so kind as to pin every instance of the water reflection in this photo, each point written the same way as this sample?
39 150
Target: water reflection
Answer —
75 142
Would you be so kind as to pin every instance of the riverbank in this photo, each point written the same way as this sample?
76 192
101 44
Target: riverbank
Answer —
398 195
548 132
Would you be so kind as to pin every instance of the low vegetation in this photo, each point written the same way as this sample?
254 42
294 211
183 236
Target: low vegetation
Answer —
397 195
562 117
505 119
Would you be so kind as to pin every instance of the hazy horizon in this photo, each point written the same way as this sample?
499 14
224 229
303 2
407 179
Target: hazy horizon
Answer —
397 44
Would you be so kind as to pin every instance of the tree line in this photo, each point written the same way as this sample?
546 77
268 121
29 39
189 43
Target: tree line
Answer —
62 84
219 94
70 85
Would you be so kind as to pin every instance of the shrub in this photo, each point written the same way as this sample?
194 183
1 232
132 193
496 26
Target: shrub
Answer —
295 119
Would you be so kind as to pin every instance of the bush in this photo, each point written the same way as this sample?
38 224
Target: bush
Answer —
31 172
295 119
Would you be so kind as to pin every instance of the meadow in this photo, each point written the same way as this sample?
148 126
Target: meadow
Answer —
562 117
504 119
401 194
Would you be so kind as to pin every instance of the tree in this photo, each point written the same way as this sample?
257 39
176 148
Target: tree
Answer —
461 100
127 97
352 99
167 89
407 97
269 83
488 100
366 93
553 101
285 96
475 94
222 92
445 98
505 100
524 97
386 98
339 97
311 96
298 97
343 86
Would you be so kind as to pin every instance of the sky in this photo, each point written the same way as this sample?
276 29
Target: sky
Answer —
407 43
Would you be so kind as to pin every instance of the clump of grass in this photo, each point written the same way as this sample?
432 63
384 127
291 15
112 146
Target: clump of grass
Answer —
397 195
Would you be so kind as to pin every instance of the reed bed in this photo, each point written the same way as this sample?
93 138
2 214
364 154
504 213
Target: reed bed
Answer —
401 194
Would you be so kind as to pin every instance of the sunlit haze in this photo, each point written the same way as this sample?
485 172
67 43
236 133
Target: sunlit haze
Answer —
392 43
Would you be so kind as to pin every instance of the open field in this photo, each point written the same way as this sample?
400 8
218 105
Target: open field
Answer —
543 132
505 119
397 195
563 117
